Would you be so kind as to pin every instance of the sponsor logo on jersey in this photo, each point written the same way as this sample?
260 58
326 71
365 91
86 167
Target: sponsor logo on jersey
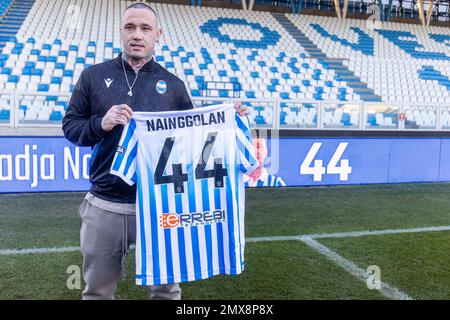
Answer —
174 220
161 87
121 149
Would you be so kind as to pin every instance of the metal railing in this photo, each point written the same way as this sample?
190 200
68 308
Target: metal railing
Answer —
285 114
366 115
16 98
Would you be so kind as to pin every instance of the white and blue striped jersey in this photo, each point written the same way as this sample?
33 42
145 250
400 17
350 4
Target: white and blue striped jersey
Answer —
190 202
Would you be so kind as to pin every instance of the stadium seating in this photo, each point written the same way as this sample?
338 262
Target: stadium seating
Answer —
233 53
4 5
12 15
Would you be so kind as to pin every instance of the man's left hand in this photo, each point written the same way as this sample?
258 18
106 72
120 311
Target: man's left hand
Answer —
240 109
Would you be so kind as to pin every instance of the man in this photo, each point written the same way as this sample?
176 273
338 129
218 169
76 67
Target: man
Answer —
102 102
260 177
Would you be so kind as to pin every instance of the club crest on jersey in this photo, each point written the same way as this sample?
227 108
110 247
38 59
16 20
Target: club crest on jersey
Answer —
161 87
173 220
121 149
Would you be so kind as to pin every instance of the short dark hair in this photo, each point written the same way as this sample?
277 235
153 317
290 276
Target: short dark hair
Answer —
141 5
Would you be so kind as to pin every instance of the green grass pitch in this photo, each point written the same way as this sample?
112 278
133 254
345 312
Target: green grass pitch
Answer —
417 264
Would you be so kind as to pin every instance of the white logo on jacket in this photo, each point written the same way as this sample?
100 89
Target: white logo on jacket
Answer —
108 82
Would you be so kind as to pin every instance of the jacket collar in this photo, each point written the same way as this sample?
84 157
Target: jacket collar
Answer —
148 67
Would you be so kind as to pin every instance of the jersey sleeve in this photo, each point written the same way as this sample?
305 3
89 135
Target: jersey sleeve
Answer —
247 158
124 163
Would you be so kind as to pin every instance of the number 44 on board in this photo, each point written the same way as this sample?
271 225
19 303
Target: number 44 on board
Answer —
335 166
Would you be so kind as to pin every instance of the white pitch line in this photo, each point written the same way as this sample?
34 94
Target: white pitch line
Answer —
376 232
352 234
5 252
386 290
276 238
257 239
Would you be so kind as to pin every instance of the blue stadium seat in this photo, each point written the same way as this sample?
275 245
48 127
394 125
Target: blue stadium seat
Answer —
6 71
195 93
250 94
13 79
295 89
37 72
55 116
43 87
259 120
5 115
56 80
223 93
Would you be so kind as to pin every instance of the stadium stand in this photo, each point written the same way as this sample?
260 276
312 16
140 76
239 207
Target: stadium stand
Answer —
304 63
12 15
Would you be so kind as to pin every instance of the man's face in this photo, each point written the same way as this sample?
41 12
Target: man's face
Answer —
260 150
140 32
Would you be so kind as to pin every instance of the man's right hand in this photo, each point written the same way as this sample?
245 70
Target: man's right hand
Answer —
119 114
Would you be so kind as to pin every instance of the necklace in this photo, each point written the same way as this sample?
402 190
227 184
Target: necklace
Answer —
130 93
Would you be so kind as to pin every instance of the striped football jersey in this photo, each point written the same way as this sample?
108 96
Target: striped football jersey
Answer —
188 167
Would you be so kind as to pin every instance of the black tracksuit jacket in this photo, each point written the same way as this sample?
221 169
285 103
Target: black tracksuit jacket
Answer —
92 98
